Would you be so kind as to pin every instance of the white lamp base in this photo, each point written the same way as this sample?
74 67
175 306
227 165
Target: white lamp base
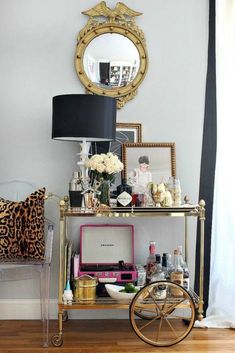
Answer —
84 153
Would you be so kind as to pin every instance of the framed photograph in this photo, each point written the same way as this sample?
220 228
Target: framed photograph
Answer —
146 162
125 133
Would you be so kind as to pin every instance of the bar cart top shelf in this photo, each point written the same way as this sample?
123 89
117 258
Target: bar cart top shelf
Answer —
183 210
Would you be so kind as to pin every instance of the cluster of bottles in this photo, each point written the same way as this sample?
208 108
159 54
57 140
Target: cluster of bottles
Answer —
161 267
172 190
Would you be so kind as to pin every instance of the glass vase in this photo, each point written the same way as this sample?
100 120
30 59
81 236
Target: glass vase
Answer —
104 189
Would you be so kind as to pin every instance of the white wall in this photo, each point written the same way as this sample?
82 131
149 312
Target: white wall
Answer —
37 43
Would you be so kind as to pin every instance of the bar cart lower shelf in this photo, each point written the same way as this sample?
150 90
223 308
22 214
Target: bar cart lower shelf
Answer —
162 313
158 322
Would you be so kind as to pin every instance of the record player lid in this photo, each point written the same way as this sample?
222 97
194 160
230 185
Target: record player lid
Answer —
106 244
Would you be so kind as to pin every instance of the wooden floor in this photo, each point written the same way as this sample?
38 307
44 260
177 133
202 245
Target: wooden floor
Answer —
89 336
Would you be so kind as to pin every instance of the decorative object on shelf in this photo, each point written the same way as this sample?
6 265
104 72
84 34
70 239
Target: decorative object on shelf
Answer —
103 169
176 192
111 34
104 189
158 192
160 195
119 293
83 118
68 294
173 186
85 289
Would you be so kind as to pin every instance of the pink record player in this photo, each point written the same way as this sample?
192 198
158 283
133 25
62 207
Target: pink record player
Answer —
107 252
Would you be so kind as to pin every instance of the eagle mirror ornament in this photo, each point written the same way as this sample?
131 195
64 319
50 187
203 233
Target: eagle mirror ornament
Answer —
111 57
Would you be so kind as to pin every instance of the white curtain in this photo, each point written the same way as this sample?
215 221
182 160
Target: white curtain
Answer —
221 309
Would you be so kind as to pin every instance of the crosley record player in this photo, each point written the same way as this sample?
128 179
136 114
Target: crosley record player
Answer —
107 252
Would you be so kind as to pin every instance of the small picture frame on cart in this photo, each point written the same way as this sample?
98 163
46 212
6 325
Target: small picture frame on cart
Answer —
158 159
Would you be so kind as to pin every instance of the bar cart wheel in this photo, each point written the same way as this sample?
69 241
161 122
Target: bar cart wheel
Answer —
158 313
57 340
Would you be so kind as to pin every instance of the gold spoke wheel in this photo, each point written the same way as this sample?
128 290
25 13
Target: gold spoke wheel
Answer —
158 313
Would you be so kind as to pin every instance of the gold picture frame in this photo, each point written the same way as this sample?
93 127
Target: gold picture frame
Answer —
125 133
161 159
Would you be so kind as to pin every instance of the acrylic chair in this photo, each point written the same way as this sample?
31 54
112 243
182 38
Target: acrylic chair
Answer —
28 269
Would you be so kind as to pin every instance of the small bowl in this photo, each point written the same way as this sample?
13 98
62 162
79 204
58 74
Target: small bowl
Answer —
114 292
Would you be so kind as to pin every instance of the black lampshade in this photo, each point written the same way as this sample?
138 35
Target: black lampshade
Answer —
77 117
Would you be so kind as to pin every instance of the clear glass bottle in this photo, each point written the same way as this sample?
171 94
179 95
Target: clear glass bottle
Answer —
75 190
124 192
151 260
185 268
176 275
158 275
170 265
165 265
141 275
176 192
169 184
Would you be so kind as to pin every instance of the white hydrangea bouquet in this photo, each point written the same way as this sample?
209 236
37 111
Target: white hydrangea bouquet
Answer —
104 166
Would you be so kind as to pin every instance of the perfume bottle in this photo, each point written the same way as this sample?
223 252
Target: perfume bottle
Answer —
75 190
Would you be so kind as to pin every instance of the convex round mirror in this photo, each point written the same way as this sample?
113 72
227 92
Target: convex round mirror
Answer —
111 57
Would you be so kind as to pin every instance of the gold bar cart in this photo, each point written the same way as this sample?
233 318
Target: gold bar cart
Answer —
159 322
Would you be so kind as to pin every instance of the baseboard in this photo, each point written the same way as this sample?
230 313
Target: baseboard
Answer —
29 309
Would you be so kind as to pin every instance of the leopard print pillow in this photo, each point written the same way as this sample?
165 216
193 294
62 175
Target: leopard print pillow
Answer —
22 228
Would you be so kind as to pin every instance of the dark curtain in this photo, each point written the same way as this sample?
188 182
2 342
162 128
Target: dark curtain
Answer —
208 158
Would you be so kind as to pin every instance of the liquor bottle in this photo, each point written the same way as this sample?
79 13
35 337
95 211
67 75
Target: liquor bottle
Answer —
165 265
158 275
185 268
176 275
75 190
124 192
141 275
151 261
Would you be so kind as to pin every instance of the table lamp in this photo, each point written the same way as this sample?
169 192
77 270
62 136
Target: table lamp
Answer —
83 118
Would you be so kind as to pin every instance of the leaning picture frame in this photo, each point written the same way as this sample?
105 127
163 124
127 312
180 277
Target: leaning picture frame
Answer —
125 133
159 157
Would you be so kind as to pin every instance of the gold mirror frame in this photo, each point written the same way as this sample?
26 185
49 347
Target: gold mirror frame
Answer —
120 20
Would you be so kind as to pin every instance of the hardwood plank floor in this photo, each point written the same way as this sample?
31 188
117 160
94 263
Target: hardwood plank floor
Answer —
89 336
